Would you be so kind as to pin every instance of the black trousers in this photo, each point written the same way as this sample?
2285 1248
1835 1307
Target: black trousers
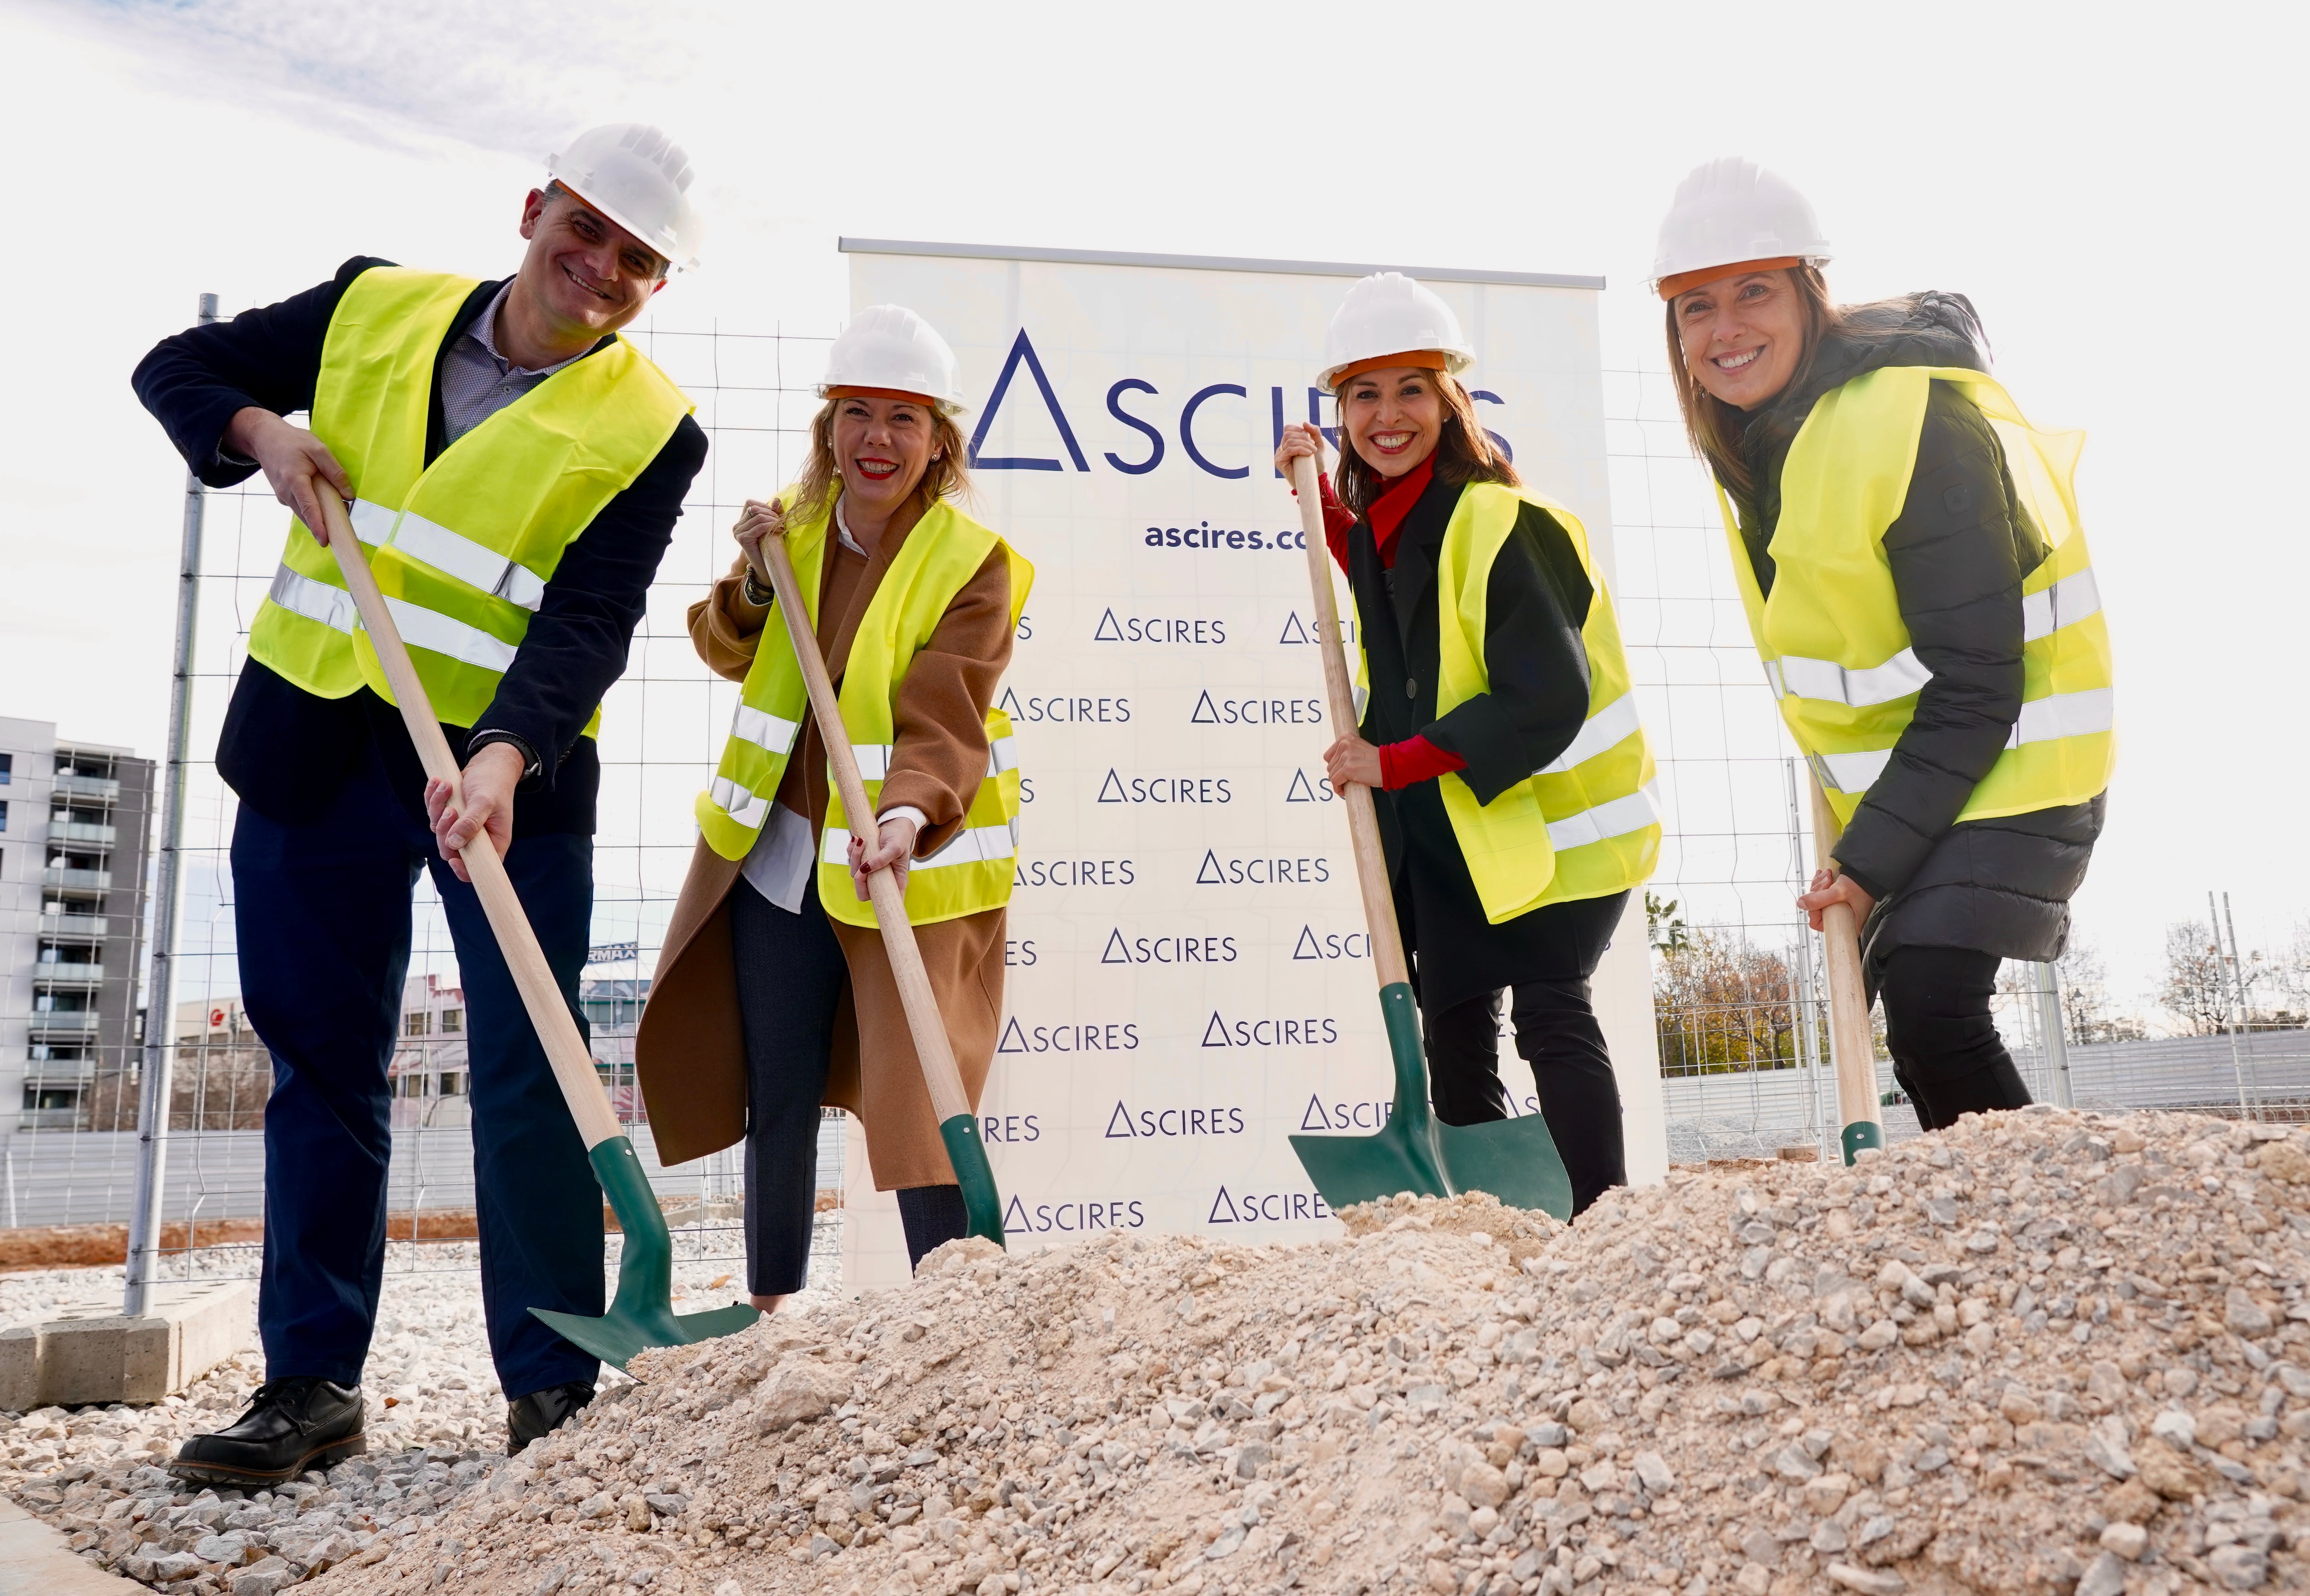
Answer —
1947 1053
791 973
1557 1034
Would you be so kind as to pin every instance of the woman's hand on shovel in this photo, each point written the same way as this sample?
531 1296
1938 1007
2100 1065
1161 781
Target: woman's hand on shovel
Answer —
490 777
1830 887
893 850
756 522
1300 441
1351 759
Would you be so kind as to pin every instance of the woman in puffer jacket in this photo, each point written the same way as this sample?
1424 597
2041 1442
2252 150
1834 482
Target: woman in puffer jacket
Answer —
1918 585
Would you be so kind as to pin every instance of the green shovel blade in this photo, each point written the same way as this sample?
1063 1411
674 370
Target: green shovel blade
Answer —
641 1314
1515 1160
980 1200
1861 1133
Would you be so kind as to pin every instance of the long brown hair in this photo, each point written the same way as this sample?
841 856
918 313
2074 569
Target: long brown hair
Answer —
1465 452
1714 427
946 477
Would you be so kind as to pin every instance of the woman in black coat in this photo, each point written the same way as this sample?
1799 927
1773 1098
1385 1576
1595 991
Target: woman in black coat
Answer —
1757 347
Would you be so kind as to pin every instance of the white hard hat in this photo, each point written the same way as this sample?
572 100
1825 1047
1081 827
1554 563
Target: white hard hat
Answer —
889 346
1389 314
639 178
1732 212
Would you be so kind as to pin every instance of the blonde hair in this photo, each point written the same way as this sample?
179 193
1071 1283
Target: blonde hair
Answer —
946 477
1465 452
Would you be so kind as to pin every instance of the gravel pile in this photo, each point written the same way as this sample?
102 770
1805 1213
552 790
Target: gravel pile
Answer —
2048 1353
436 1429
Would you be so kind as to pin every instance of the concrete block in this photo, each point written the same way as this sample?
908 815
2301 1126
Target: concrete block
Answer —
93 1353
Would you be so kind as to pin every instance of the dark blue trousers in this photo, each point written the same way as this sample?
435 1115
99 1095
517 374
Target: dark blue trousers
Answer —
322 910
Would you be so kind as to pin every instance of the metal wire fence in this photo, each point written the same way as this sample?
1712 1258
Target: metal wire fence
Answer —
1739 990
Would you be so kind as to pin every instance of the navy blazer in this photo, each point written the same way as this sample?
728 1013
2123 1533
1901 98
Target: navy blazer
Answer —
284 748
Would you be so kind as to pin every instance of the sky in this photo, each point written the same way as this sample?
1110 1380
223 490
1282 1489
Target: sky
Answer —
2108 184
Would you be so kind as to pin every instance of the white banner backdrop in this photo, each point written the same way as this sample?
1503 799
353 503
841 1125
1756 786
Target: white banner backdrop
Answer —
1189 981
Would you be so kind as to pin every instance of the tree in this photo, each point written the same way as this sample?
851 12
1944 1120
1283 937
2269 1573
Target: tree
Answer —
2086 1014
1663 927
2196 988
1720 1004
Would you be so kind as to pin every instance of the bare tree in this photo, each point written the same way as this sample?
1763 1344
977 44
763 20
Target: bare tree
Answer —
2196 989
1721 1004
2087 1013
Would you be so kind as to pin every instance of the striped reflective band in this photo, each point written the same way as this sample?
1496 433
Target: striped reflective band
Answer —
1608 727
449 551
429 629
874 758
973 844
764 730
2065 603
741 805
1618 818
300 594
1896 678
2043 720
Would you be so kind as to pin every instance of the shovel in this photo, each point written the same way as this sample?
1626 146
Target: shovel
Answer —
1852 1043
1514 1160
957 1124
642 1313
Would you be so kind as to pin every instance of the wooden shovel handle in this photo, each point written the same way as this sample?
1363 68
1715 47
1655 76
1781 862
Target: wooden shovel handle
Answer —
1852 1043
565 1049
924 1020
1363 824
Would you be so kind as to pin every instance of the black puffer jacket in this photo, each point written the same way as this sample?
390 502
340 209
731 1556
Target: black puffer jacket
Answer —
1959 552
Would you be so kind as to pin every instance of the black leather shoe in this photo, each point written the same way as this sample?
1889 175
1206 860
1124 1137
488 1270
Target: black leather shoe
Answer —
542 1412
292 1425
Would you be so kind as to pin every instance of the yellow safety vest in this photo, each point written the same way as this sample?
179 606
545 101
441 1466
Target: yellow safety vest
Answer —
973 870
463 548
1835 649
1587 823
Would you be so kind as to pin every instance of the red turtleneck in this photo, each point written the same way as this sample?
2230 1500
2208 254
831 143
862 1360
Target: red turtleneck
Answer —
1415 759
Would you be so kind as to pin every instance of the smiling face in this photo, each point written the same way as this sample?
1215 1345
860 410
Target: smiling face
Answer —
589 275
1742 335
1394 416
882 446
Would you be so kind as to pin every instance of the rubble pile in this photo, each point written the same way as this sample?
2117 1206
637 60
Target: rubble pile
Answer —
2045 1352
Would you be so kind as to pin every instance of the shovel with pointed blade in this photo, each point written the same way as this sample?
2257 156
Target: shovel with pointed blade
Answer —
642 1313
1514 1160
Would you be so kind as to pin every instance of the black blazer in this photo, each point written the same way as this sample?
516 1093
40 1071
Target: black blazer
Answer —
284 748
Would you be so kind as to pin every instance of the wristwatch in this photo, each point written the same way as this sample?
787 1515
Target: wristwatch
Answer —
530 767
756 593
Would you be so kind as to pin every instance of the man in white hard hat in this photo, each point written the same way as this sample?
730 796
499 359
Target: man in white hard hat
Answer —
516 470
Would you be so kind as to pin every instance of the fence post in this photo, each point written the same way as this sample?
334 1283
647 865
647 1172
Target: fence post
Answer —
169 891
2049 1027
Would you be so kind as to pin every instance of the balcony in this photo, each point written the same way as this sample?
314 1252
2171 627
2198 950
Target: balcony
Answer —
85 833
73 930
62 1025
62 977
86 882
104 788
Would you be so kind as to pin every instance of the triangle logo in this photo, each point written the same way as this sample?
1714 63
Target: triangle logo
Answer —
1120 1116
1118 952
1014 1040
1112 785
1209 874
1217 1027
1014 1217
1300 792
1294 631
1223 1210
1204 714
1306 948
1314 1119
1107 631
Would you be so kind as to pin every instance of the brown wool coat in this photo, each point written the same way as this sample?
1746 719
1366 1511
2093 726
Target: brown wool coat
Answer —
690 1051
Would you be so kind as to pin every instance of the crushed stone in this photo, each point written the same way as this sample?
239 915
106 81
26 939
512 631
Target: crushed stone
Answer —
2048 1352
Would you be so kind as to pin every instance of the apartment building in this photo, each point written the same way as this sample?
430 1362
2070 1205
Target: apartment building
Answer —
74 817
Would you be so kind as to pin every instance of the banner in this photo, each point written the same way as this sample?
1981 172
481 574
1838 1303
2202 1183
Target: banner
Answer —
1189 981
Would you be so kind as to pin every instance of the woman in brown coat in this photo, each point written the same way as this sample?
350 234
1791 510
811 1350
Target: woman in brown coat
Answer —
774 995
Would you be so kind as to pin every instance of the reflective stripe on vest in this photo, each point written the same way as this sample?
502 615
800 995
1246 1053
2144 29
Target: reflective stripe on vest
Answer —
939 556
463 548
1587 823
1845 482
